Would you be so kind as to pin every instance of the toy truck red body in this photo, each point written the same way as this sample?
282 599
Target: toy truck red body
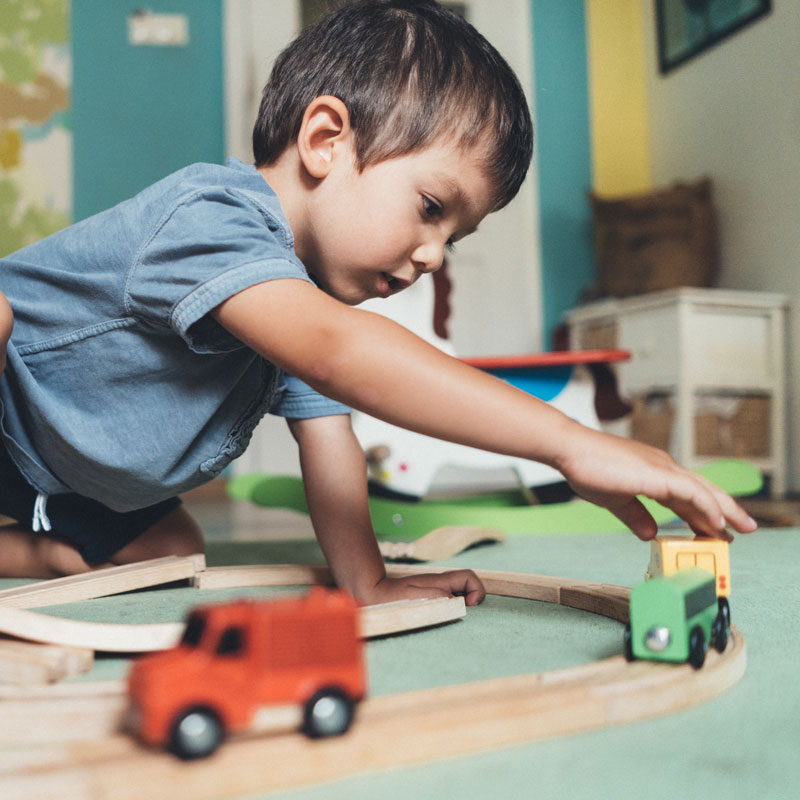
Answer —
240 661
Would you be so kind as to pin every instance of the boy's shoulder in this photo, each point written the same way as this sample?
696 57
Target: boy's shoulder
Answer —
202 179
210 200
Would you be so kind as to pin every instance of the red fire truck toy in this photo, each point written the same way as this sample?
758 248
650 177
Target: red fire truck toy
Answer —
243 662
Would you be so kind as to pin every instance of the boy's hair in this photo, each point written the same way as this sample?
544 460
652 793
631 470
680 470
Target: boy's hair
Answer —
408 71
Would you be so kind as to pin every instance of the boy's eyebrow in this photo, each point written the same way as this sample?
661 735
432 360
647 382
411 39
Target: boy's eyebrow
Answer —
457 193
452 187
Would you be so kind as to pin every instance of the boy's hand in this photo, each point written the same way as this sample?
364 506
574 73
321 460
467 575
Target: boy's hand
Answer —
462 582
611 472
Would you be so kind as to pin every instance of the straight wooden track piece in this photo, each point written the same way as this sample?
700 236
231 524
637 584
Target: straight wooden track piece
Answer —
29 662
406 615
263 575
439 544
103 582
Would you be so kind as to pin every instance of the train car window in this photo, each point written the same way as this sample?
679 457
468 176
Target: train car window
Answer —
707 561
685 560
701 597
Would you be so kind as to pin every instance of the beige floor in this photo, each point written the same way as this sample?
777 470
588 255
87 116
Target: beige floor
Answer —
224 519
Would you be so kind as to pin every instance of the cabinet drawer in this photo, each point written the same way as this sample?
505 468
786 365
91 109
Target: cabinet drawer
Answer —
731 347
652 336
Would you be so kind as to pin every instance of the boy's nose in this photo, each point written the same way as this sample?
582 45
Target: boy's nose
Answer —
428 257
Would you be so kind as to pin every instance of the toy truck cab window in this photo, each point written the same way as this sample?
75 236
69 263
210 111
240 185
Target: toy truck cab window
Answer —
193 633
231 642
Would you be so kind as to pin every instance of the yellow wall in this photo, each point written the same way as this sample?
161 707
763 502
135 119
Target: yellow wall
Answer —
620 132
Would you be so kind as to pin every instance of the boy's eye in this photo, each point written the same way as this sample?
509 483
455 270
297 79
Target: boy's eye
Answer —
430 207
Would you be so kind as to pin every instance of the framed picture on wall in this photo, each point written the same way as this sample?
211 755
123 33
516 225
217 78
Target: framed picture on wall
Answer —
688 27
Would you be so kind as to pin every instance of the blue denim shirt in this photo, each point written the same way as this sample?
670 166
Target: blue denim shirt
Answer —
120 386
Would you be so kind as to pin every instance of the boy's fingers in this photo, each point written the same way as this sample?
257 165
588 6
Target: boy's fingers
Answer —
707 509
693 500
637 518
415 592
734 514
460 581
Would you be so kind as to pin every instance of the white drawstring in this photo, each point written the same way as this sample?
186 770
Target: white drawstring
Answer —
40 520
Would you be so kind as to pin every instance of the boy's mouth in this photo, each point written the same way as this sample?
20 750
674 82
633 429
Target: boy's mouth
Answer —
392 285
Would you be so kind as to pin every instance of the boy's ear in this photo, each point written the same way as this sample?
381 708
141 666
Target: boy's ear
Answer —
324 132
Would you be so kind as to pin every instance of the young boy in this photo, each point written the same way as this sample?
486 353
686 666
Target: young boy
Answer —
149 340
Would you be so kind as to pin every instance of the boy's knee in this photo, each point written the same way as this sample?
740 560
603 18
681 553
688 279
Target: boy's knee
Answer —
60 558
176 534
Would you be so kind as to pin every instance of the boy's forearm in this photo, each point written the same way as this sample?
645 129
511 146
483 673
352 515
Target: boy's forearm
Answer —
334 475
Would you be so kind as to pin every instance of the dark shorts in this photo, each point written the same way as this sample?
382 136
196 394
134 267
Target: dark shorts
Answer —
93 529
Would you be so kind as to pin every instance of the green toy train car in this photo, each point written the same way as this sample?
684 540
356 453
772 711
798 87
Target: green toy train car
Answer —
675 618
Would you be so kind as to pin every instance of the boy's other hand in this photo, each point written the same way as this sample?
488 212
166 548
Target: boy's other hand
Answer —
463 582
611 472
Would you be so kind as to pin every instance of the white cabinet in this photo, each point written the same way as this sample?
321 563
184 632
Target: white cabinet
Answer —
710 362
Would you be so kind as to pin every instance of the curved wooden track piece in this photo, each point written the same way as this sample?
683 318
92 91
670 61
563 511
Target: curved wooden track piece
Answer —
377 620
439 544
391 731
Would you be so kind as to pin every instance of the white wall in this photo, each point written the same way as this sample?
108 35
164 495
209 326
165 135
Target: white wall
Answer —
734 113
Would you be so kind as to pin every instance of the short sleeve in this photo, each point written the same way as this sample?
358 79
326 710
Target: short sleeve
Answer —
213 244
297 400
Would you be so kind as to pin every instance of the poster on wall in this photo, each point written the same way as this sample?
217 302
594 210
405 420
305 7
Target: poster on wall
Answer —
35 132
688 27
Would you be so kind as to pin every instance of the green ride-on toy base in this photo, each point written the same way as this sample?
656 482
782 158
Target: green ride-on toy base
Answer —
411 519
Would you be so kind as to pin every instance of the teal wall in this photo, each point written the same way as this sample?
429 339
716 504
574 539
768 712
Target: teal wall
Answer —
563 154
142 112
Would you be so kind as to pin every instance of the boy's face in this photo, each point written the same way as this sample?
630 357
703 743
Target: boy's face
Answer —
376 231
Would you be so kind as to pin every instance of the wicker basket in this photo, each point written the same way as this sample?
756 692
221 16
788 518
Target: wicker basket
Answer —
656 241
600 335
743 434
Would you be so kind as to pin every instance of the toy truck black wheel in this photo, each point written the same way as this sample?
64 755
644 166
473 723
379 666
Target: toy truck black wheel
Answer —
196 733
628 642
328 713
697 647
725 610
719 633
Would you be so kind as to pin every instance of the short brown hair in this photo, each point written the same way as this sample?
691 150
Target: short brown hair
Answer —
408 72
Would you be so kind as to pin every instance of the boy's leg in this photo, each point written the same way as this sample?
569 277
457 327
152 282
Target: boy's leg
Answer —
176 534
25 554
6 325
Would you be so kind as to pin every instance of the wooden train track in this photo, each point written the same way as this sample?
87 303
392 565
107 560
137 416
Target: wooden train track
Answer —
390 731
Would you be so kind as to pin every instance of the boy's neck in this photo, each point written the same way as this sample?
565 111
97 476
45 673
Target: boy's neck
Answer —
286 178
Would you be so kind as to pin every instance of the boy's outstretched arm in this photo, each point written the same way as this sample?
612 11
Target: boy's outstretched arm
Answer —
334 475
377 366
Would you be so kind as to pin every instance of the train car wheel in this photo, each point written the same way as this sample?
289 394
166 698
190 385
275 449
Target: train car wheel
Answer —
725 610
697 647
719 633
628 640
